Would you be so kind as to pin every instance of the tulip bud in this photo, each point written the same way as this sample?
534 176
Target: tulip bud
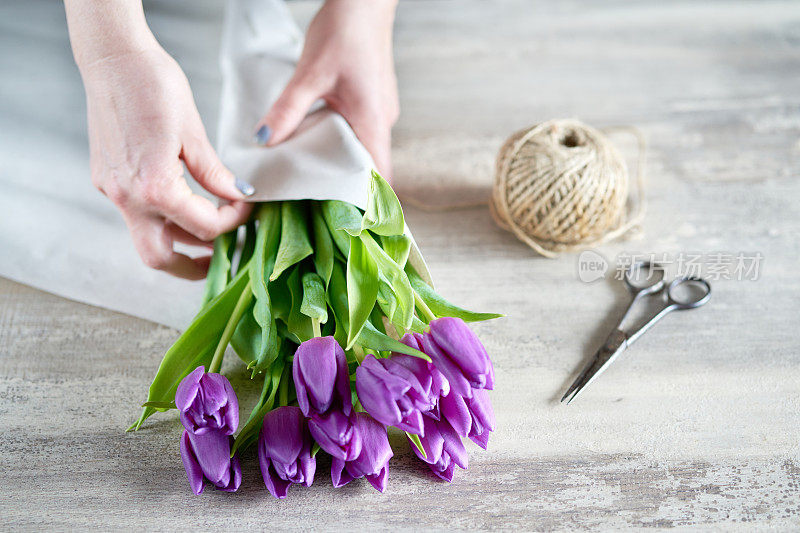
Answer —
432 380
392 394
443 448
470 417
459 355
207 456
207 402
323 394
373 461
320 377
284 451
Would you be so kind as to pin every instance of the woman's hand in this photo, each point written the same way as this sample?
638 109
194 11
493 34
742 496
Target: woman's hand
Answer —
143 124
347 61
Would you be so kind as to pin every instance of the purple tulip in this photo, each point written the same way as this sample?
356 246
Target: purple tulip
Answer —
337 434
207 402
470 417
372 462
432 380
284 451
459 355
320 377
392 394
207 456
323 394
443 448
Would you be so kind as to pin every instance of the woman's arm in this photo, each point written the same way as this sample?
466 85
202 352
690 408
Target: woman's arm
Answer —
142 124
347 61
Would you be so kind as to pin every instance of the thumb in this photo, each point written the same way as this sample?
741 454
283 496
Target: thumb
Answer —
287 112
207 170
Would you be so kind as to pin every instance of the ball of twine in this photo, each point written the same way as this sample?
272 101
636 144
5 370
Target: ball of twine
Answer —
562 185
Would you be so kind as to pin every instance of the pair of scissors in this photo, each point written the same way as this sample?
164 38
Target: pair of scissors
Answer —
643 278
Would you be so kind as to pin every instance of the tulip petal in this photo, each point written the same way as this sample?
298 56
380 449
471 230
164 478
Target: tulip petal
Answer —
336 434
188 388
380 479
193 470
482 412
339 474
212 450
235 478
315 370
455 377
462 346
432 442
213 392
453 445
275 485
375 448
454 408
444 470
481 439
282 432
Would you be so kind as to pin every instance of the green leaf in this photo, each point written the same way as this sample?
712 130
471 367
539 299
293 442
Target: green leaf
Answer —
342 219
264 257
337 300
280 297
313 304
371 338
295 244
323 244
249 244
383 216
160 406
417 443
439 305
195 346
362 287
418 326
397 247
220 268
299 324
246 340
249 432
394 279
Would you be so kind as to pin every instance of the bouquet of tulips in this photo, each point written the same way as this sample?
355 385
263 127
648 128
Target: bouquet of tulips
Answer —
332 310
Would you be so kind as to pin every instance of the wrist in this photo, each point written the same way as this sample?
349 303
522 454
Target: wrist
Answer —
381 10
100 30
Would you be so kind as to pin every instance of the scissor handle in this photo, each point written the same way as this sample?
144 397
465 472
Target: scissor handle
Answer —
694 299
653 283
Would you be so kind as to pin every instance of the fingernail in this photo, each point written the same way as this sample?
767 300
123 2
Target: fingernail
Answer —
262 135
245 187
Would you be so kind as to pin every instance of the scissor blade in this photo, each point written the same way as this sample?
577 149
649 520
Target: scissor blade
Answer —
615 344
586 377
579 380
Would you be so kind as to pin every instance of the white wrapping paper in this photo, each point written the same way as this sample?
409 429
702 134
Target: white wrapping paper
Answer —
57 233
323 159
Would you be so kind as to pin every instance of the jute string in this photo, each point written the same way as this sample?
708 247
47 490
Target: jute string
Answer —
561 186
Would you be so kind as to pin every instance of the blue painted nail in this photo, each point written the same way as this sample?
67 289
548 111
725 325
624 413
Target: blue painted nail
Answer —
245 187
262 135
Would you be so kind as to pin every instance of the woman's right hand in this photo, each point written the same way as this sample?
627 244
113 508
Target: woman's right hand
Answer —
143 124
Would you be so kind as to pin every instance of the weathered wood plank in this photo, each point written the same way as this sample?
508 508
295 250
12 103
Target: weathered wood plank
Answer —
697 426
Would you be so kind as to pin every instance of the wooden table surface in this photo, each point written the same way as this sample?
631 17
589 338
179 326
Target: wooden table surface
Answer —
698 425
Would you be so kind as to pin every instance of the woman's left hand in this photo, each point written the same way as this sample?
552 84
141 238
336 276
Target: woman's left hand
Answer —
347 61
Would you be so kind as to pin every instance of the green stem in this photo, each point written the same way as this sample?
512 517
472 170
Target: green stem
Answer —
316 326
230 327
423 308
283 388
